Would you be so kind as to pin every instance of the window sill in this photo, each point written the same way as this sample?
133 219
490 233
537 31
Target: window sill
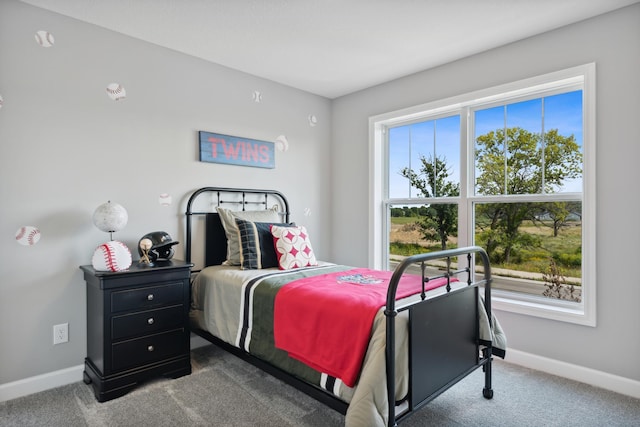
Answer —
563 311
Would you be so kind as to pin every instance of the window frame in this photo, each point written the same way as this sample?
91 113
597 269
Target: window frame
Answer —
560 81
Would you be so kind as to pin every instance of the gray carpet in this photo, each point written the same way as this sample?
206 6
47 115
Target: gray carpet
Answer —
225 391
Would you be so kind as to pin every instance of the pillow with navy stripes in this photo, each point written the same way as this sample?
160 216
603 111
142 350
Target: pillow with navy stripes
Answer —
256 245
228 217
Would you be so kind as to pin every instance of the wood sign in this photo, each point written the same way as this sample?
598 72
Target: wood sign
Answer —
234 150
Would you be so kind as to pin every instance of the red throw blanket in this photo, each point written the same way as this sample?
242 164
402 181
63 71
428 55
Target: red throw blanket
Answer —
325 321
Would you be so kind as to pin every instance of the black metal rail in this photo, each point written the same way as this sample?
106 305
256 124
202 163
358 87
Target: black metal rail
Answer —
218 191
391 312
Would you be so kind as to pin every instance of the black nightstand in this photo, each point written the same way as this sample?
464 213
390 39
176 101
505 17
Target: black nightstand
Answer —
137 326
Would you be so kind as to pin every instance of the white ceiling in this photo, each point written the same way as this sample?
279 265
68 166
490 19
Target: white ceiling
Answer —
330 47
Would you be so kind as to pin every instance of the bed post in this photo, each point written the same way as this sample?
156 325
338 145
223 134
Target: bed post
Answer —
487 391
390 365
390 347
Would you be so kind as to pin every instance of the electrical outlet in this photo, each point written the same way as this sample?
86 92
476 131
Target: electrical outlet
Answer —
60 333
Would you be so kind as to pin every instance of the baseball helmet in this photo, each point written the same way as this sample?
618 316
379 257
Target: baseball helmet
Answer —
161 245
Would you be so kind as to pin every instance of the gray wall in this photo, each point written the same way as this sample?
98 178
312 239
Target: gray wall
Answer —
65 148
612 41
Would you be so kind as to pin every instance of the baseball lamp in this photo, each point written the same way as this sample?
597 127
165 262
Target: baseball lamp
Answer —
110 217
113 255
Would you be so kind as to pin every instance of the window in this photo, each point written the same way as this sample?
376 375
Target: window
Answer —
510 169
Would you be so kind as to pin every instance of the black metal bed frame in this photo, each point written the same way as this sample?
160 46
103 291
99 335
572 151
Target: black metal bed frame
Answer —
215 240
453 349
433 369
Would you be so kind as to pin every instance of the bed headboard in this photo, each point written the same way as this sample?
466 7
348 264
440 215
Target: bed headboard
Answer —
215 239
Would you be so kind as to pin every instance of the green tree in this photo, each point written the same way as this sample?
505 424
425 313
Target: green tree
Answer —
397 212
557 215
518 165
439 220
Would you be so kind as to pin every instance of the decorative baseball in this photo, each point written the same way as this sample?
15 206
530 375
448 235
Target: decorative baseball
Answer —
145 244
44 38
27 235
257 96
116 92
313 120
164 199
282 143
111 256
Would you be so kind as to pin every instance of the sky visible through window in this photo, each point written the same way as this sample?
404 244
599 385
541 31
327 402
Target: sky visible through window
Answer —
441 137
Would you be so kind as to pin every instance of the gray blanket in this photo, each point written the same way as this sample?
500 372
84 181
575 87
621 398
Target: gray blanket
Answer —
222 294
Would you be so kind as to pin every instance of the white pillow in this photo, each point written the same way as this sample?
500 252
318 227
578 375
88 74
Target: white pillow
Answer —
228 219
293 247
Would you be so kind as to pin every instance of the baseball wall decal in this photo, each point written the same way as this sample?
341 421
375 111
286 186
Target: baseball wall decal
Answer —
257 96
27 235
116 91
164 199
1 101
111 256
282 143
313 120
44 38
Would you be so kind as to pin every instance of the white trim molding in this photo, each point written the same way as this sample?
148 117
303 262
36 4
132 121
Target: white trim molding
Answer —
582 77
39 383
581 374
59 378
573 372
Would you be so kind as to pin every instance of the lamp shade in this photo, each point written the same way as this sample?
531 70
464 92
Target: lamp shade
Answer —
110 217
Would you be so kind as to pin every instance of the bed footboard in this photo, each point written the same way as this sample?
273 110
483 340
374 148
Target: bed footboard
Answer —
444 332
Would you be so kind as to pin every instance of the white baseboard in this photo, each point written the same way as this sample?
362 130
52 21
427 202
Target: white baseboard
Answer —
595 378
589 376
59 378
39 383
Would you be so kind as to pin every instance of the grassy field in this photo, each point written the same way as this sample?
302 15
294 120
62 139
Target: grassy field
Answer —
406 239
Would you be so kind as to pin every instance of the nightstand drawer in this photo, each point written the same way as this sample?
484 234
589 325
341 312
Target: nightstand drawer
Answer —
141 298
147 322
141 351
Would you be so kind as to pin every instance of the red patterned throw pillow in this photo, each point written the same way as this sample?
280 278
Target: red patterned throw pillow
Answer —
293 247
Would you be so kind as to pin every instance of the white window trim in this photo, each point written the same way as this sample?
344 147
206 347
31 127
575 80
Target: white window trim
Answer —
583 314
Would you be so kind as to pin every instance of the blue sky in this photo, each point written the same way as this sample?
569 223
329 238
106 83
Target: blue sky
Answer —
441 137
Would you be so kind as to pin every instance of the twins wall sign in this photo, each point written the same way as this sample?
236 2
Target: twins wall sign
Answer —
234 150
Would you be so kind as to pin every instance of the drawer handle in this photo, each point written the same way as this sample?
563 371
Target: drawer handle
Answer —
150 297
150 348
150 320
